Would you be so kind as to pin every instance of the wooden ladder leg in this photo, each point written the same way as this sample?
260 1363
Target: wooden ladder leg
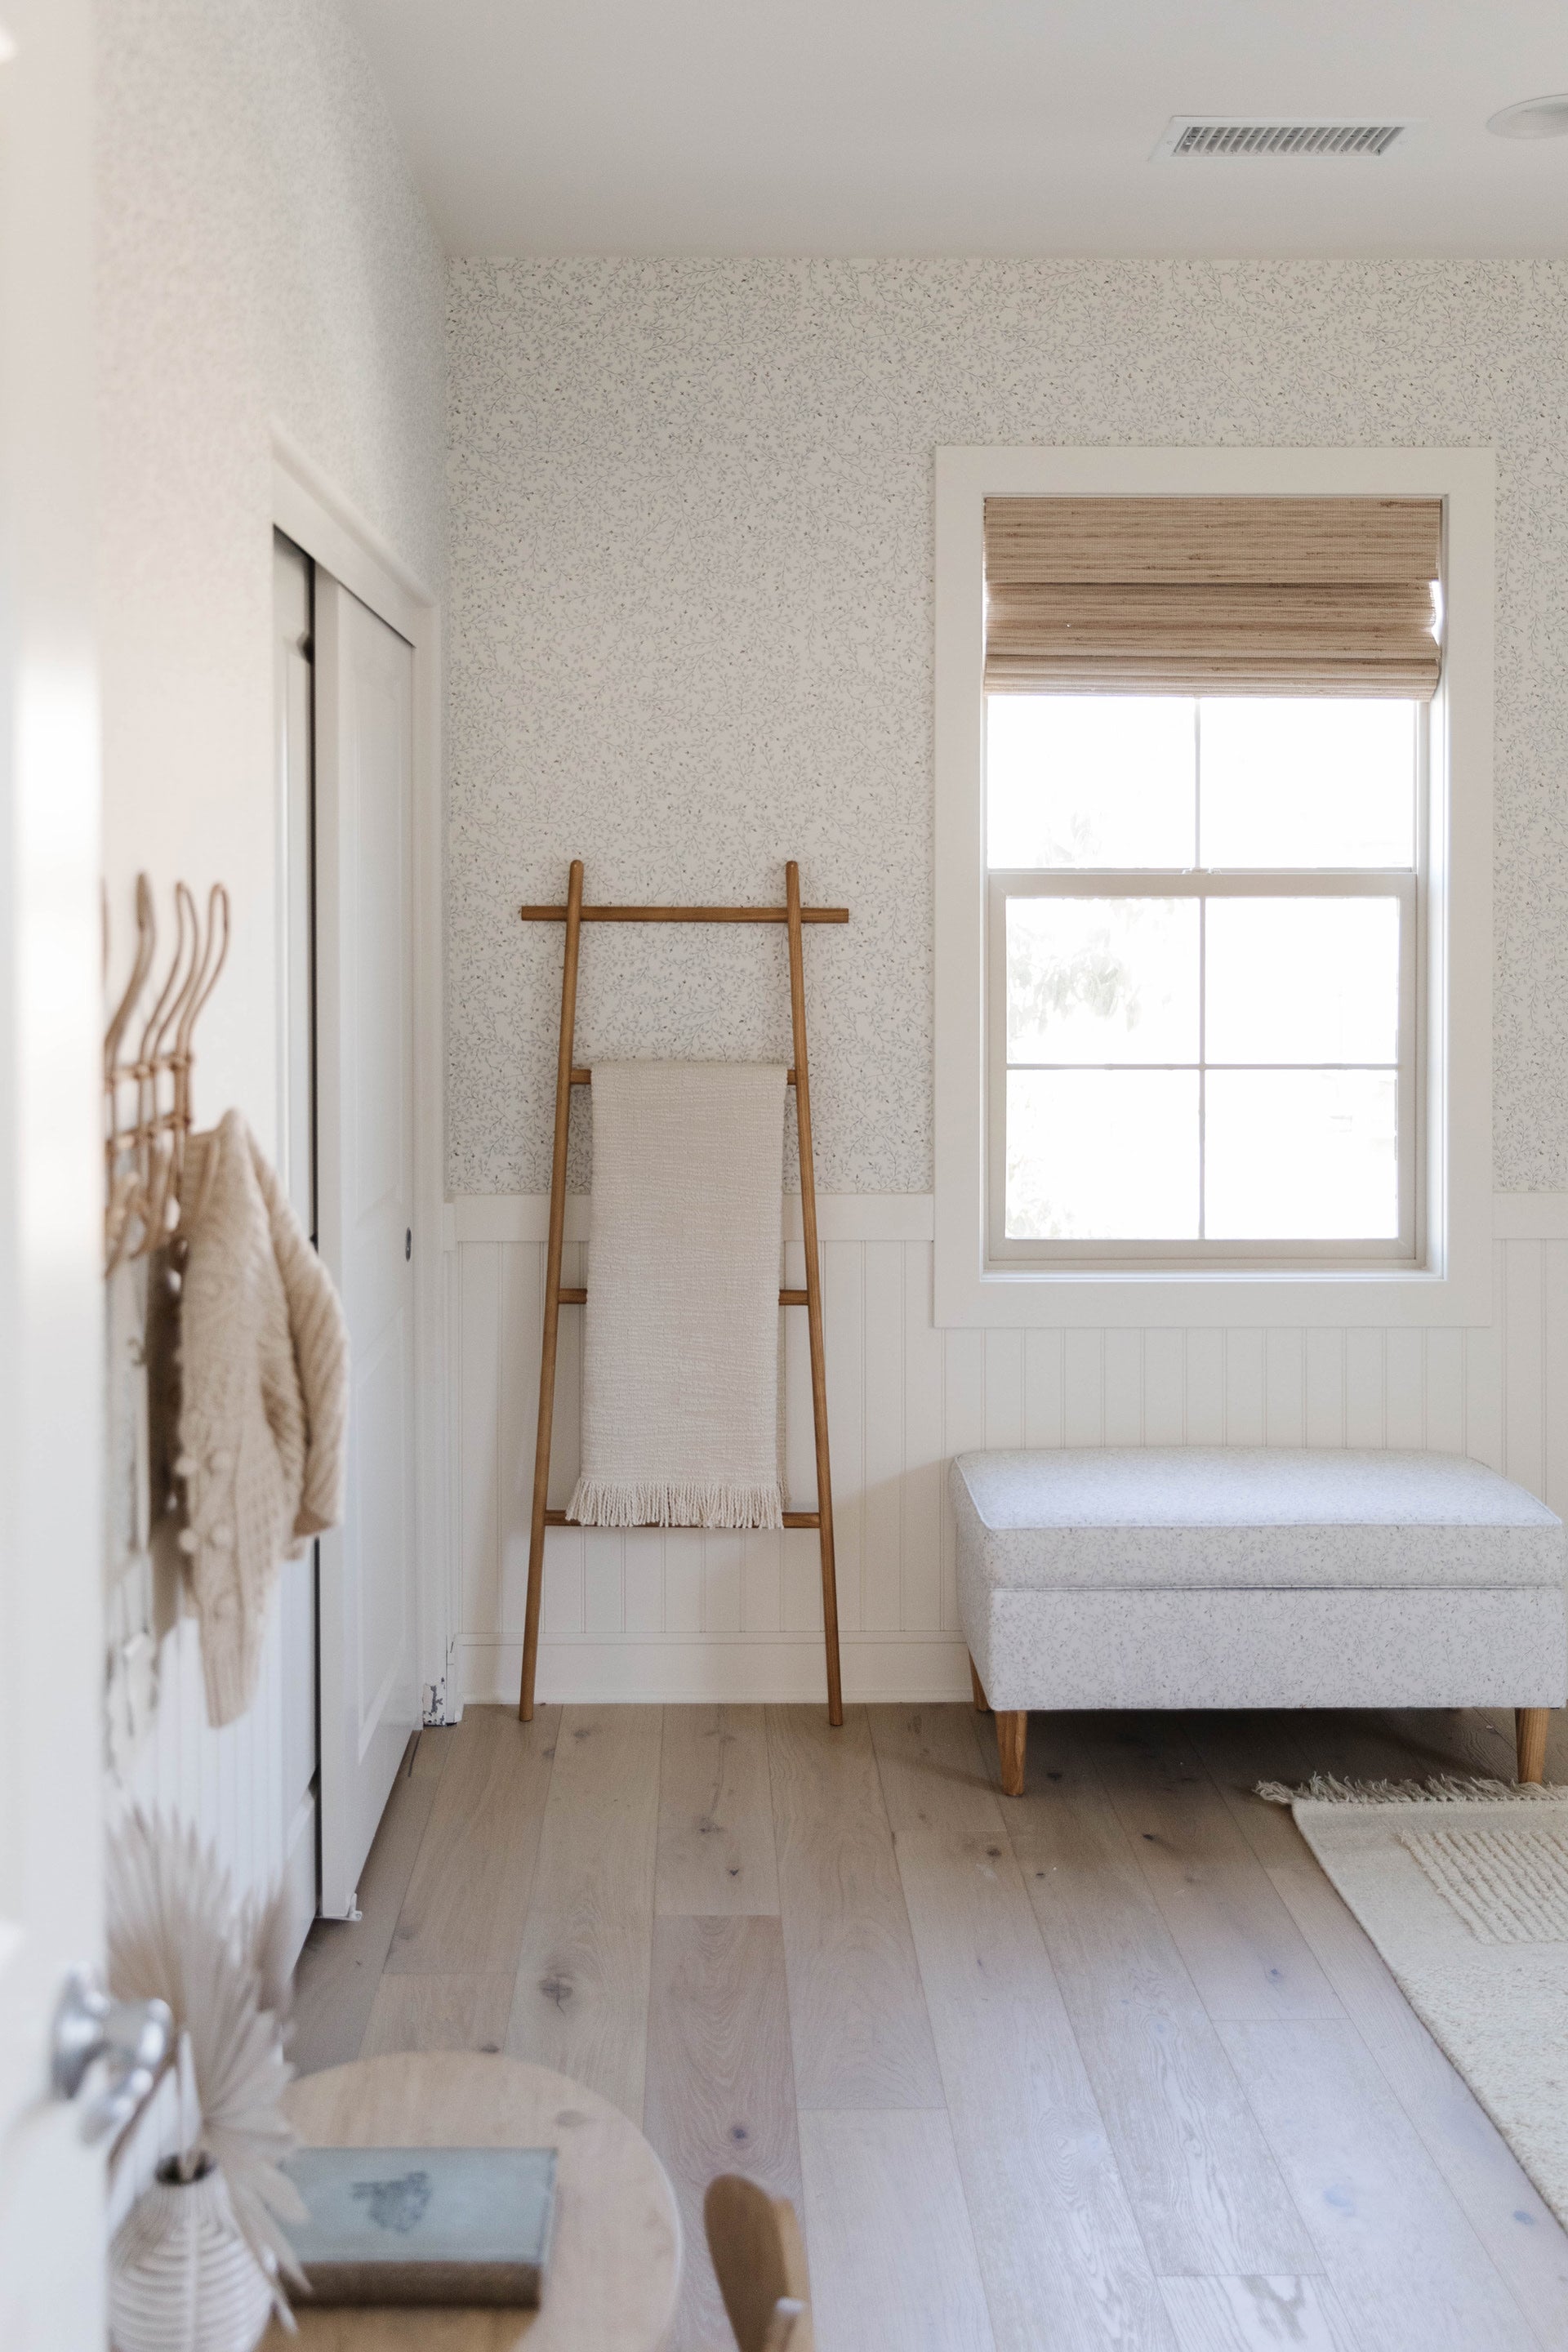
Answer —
551 1290
813 1296
1530 1728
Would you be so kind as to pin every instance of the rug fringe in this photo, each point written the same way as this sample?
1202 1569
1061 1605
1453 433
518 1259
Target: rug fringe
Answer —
1442 1788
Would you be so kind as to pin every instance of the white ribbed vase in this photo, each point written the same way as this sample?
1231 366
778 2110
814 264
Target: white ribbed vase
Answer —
181 2277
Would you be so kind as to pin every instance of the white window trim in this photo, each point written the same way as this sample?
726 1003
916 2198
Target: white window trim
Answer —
1452 1285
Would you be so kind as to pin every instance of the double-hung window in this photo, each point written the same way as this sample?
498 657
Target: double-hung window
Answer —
1202 923
1212 836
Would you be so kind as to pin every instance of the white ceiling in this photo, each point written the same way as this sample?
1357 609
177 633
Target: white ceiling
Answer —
963 126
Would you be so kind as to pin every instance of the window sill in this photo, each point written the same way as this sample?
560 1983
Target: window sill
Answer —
1024 1297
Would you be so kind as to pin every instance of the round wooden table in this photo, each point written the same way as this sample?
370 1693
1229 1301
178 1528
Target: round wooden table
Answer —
613 2267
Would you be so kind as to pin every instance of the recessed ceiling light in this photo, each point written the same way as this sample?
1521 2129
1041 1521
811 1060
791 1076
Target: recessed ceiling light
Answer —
1532 117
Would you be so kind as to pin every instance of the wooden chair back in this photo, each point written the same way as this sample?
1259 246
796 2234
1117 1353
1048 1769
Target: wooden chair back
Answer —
760 2262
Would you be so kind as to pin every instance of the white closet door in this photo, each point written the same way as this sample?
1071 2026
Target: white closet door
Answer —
364 1171
293 704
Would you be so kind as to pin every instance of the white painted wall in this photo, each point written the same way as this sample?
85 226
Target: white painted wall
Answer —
263 257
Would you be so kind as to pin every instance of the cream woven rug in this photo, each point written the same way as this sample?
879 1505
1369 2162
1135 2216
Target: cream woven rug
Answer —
1463 1887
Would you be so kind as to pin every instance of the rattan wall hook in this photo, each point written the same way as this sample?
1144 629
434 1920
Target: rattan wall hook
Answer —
147 1089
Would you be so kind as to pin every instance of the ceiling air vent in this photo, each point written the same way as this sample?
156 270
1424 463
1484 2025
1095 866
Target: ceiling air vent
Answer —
1240 134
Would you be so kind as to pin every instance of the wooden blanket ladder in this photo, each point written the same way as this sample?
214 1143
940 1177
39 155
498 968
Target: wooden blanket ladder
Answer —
575 914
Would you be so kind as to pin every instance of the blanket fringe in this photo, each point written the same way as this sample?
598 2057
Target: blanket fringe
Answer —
1442 1788
674 1503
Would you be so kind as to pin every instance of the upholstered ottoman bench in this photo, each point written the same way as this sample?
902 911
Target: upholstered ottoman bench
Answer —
1198 1576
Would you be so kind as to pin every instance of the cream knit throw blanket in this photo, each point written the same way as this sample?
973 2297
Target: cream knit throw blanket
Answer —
681 1360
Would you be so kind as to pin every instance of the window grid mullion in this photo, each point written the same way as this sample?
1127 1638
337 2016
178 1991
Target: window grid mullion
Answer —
1203 1069
1199 882
1117 1067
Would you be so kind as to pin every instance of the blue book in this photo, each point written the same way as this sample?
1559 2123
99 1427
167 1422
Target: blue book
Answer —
423 2225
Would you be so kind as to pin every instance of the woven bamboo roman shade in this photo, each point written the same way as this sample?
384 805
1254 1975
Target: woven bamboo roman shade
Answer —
1217 596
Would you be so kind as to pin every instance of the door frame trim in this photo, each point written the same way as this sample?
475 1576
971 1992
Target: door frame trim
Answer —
310 508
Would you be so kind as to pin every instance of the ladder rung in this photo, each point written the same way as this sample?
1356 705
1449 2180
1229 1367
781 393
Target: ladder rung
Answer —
791 1519
684 914
585 1078
577 1297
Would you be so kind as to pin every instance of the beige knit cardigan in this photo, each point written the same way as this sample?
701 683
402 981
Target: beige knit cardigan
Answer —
264 1398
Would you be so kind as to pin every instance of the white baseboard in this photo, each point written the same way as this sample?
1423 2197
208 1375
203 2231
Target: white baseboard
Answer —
661 1669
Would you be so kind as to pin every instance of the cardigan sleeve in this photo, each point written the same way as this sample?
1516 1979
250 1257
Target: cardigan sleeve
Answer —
320 1340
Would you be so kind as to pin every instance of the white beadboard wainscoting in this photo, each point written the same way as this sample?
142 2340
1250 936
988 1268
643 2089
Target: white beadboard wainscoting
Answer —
238 1788
243 1788
679 1614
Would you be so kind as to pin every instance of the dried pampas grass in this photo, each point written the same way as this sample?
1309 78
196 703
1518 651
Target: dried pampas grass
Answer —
175 1932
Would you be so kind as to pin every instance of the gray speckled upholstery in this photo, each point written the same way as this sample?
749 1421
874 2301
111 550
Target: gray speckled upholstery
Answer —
1167 1576
1273 1649
1165 1516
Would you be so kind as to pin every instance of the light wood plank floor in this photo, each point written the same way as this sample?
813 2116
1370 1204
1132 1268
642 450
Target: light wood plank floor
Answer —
1107 2069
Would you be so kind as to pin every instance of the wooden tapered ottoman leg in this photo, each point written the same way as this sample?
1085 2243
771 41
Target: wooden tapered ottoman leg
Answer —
982 1704
1530 1725
1012 1738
